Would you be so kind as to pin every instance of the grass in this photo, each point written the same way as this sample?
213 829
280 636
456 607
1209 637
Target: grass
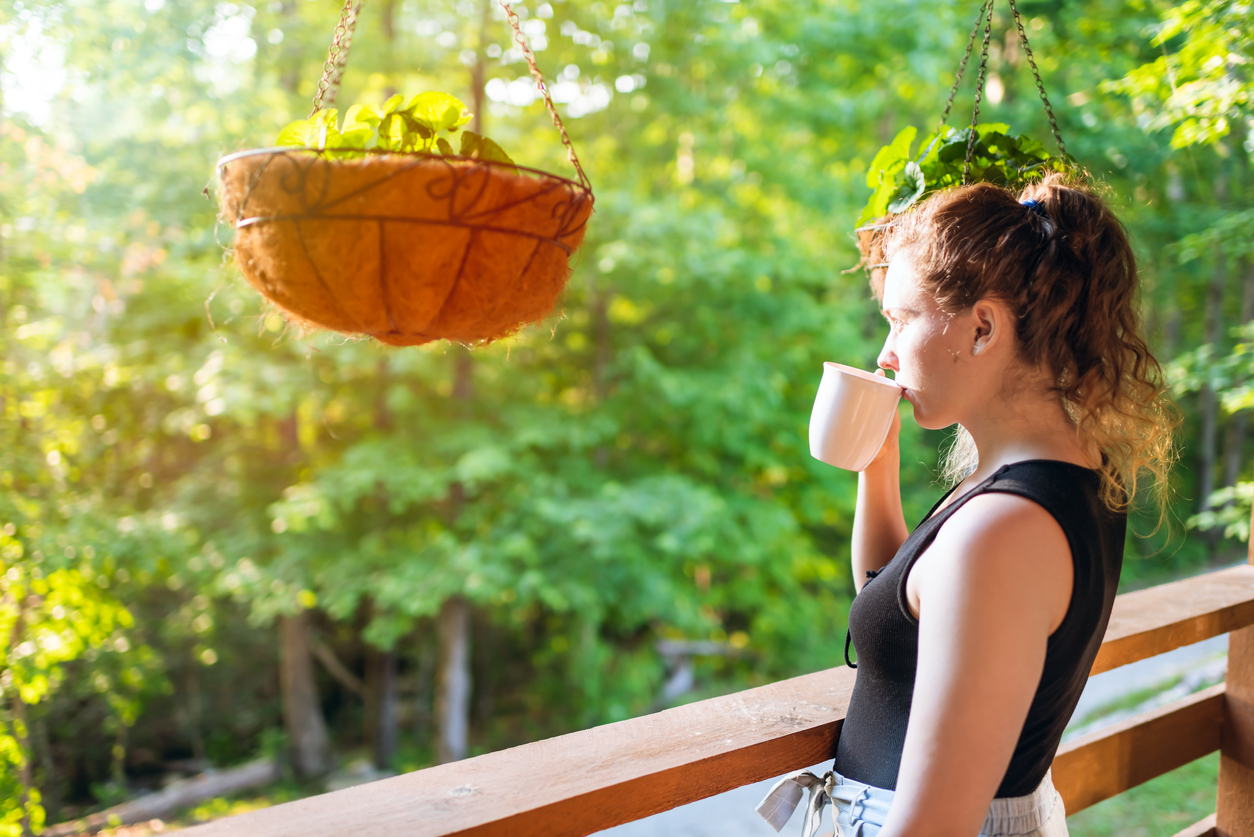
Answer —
1158 808
1128 701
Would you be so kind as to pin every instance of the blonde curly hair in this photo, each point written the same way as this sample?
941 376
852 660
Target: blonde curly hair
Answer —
1065 268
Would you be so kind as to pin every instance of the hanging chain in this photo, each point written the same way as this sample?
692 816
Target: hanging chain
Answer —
979 92
337 57
342 40
1040 85
521 40
949 103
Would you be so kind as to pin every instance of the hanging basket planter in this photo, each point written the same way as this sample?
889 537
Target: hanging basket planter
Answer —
949 157
403 246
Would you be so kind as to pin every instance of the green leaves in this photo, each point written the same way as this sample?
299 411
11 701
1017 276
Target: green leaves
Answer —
361 114
909 189
882 175
474 145
1227 509
891 158
316 132
438 111
1202 86
398 126
997 156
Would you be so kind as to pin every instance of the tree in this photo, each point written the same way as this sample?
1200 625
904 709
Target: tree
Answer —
1201 88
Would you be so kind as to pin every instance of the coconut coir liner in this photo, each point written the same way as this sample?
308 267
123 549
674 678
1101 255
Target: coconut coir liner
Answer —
406 249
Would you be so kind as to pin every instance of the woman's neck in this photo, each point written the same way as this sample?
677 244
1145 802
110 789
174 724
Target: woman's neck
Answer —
1030 426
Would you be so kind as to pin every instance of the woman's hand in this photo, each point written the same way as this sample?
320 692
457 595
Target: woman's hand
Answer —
879 528
890 452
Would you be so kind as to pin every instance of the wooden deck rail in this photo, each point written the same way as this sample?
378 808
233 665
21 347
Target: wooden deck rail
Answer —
580 783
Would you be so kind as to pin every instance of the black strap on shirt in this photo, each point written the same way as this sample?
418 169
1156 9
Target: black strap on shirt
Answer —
870 574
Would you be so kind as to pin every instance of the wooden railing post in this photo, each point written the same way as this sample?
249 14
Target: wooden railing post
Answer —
1234 812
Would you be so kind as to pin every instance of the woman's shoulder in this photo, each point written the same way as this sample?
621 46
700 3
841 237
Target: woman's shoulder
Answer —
991 523
998 544
1024 505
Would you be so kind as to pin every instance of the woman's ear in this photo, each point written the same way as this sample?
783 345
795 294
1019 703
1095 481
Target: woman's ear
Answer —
988 323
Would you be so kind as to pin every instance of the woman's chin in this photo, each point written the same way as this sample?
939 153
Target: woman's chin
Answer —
925 419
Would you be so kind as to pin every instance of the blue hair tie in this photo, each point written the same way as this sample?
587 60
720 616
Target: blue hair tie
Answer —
1035 207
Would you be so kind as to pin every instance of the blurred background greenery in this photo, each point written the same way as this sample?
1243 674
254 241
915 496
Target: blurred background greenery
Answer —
608 513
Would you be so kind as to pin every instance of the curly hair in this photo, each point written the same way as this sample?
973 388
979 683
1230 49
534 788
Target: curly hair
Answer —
1065 268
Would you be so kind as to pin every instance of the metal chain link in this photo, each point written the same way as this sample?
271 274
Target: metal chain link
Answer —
962 67
521 40
979 92
1040 85
337 57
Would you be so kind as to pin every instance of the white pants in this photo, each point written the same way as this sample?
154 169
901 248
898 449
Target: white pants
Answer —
861 810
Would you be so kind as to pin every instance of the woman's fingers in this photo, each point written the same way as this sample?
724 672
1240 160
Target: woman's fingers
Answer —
892 440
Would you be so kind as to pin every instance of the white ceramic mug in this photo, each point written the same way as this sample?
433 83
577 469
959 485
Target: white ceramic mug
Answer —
853 412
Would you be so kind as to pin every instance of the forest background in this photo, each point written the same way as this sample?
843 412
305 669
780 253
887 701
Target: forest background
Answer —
211 525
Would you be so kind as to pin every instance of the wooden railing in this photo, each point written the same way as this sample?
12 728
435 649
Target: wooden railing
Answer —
586 781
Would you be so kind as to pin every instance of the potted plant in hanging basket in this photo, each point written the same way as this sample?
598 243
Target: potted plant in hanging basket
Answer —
988 153
377 226
901 177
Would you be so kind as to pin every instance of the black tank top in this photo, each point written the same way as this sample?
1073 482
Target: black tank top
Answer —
886 635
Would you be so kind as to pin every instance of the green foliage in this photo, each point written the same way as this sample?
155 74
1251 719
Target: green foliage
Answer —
1230 374
1232 235
1228 510
1202 85
901 177
47 621
397 126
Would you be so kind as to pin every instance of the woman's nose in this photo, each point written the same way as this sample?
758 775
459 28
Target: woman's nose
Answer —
887 359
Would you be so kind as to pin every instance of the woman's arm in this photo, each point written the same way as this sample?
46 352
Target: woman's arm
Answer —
991 588
879 527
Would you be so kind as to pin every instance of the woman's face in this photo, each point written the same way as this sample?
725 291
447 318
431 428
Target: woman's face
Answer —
930 350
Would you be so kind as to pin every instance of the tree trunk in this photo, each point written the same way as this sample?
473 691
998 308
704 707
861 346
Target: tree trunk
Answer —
169 800
425 678
452 675
20 730
194 734
21 733
1208 399
290 67
50 782
1239 425
302 713
452 690
478 71
381 705
117 767
1234 441
601 359
337 669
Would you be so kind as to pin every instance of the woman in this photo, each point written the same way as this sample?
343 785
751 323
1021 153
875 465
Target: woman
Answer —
1012 316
